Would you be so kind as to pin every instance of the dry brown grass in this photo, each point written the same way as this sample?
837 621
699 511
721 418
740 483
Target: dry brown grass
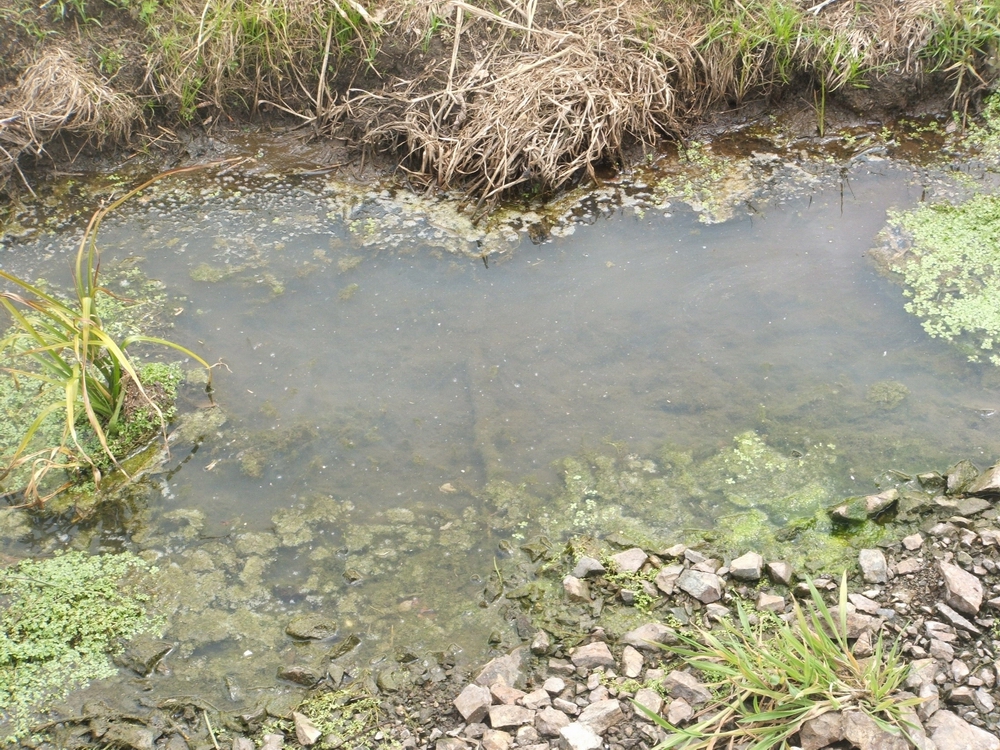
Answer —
55 95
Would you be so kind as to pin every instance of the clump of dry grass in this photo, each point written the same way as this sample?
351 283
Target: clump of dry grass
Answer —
541 114
57 94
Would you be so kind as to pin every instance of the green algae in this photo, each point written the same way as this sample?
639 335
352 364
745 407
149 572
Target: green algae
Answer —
886 394
62 621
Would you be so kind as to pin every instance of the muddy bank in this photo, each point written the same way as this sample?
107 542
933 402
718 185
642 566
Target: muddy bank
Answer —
494 102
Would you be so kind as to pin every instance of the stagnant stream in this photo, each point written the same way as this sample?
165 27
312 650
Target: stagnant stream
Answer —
377 393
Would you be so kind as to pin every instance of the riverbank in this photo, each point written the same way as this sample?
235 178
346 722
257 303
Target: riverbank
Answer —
530 97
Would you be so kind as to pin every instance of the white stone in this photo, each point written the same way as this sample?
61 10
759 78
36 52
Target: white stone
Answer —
650 700
630 561
632 662
577 736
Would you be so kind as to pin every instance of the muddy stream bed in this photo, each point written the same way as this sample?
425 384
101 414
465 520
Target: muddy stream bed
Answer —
407 398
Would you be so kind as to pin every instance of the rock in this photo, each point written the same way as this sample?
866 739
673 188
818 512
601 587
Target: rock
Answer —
950 731
527 736
596 654
913 541
450 743
536 699
748 567
601 715
508 668
122 734
861 730
503 693
632 662
650 700
666 578
940 650
922 672
863 508
874 567
983 701
955 619
143 653
907 566
770 602
679 711
780 572
962 695
649 637
987 483
311 627
705 587
549 721
273 742
576 590
684 685
971 506
541 643
822 731
554 685
577 736
502 717
960 477
473 702
630 561
567 707
930 701
963 591
239 743
494 739
305 731
301 674
588 566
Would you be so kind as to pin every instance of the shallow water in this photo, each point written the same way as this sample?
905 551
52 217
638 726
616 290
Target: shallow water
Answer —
399 379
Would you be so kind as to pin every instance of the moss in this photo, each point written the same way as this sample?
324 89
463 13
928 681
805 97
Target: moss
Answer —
952 272
62 620
886 394
347 718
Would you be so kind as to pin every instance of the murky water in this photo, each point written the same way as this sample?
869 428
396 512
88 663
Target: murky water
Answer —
373 390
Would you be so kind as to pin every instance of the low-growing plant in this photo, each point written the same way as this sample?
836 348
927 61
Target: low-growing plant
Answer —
66 347
769 680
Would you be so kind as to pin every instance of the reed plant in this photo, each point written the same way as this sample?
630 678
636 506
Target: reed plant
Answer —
65 347
771 677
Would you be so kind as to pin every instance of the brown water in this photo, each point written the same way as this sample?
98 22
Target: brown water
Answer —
374 386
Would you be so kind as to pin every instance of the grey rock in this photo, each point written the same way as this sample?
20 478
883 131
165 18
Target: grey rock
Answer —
972 506
450 743
602 715
505 694
962 696
567 707
554 685
494 739
679 711
577 736
862 508
630 561
861 730
955 619
541 643
549 721
666 578
922 672
537 699
949 731
576 589
780 572
983 701
301 674
908 565
509 668
239 743
273 742
588 566
705 587
940 650
122 734
650 636
874 567
593 655
473 702
650 700
770 602
913 542
987 483
684 685
960 477
305 731
502 717
748 567
632 662
311 627
822 731
963 591
930 697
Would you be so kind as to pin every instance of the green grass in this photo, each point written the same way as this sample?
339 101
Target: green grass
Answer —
770 677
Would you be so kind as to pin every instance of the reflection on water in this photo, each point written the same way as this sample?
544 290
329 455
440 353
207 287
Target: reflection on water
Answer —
372 394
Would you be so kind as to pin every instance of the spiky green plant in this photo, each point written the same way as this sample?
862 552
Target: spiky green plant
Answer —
65 346
769 681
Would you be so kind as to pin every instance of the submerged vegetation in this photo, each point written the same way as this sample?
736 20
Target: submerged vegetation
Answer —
82 370
570 86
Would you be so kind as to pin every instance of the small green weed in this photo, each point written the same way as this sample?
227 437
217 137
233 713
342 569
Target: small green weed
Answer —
770 680
61 620
348 717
